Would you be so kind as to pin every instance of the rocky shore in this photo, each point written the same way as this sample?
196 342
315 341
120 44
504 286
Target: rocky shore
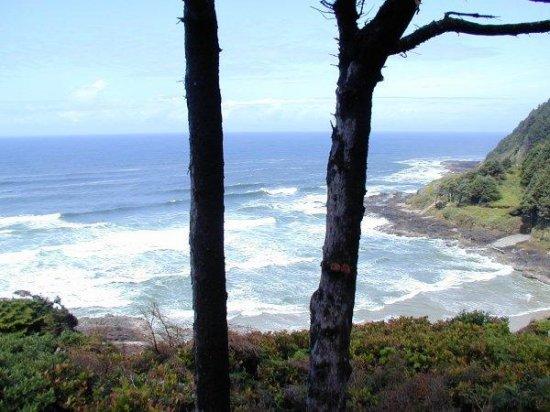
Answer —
130 334
404 220
459 166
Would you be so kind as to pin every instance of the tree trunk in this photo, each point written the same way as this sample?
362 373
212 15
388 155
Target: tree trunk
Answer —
206 236
362 54
332 304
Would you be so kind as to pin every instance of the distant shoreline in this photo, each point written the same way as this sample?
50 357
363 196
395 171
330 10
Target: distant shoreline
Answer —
407 221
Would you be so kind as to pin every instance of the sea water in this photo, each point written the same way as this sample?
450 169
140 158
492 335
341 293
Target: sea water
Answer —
103 221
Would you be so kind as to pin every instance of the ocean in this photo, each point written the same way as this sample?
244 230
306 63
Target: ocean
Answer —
102 222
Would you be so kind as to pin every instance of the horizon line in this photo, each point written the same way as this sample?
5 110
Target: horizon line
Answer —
186 133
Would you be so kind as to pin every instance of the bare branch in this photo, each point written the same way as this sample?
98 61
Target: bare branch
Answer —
385 29
474 15
163 334
327 10
450 24
360 6
346 15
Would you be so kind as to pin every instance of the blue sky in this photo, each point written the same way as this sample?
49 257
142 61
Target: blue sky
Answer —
114 66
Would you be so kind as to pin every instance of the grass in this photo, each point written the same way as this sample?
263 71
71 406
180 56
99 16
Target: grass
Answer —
481 217
510 190
471 362
493 216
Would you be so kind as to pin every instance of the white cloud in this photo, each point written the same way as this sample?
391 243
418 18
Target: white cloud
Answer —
89 91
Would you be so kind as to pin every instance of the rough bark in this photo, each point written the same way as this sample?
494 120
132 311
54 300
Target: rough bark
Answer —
206 236
362 55
332 304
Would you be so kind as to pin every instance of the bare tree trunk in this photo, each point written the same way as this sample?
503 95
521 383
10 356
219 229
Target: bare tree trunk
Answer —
332 304
206 235
362 55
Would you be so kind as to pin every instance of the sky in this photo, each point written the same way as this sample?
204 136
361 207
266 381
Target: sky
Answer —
73 67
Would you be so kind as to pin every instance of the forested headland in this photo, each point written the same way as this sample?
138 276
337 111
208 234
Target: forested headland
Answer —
508 192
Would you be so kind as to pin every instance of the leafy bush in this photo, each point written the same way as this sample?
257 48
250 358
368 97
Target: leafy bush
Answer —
537 160
482 189
477 317
34 315
494 168
448 189
35 372
538 327
471 362
470 188
507 163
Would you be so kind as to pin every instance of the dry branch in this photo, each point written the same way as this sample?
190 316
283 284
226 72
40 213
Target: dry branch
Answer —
451 24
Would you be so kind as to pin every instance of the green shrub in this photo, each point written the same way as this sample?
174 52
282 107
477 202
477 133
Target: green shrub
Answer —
507 163
471 362
539 327
537 160
477 317
470 188
34 315
35 375
482 189
448 189
493 168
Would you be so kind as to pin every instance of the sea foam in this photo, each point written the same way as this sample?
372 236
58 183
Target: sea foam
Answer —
127 243
49 221
309 205
371 222
244 224
475 268
280 191
418 171
264 259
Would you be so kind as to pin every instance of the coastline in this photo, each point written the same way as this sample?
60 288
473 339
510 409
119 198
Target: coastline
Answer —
131 333
404 220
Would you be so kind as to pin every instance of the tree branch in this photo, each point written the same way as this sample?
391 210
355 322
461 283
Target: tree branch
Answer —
450 24
474 15
346 15
386 28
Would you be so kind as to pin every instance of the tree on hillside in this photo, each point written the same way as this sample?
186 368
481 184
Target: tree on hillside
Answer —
206 237
363 51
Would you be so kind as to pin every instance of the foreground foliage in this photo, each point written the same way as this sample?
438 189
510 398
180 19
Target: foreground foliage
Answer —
34 315
471 362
